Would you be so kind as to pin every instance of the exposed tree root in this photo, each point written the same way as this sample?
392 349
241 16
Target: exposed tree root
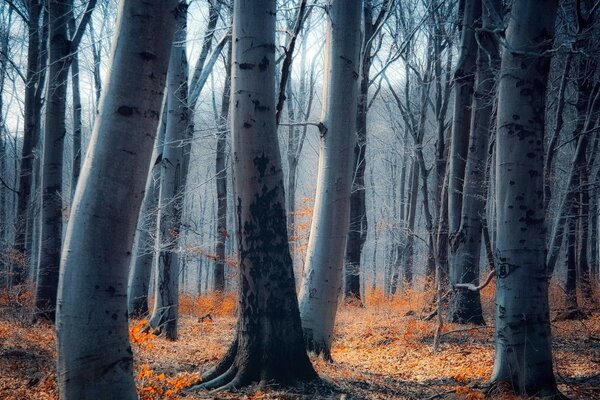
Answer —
238 369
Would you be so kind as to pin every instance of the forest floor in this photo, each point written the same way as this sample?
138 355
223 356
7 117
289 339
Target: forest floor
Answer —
381 351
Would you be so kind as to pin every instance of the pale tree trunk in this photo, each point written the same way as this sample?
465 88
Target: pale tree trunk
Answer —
221 182
94 353
409 249
52 161
466 304
30 138
173 178
268 344
523 354
464 77
322 276
144 248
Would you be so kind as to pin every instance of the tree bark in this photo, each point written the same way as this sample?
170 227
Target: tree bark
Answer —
268 334
52 162
464 267
221 182
94 354
144 248
321 281
466 304
30 138
523 355
173 179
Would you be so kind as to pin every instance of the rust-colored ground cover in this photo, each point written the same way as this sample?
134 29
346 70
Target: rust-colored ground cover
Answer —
382 351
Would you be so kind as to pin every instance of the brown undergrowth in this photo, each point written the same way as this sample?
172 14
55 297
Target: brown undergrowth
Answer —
381 351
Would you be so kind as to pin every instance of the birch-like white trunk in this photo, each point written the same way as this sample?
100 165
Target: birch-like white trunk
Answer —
322 277
172 186
523 357
94 353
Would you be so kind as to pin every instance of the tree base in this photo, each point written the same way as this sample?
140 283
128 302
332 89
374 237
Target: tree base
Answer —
240 367
497 388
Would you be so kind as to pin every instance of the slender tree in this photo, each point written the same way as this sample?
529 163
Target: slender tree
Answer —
321 280
94 354
173 179
523 355
466 304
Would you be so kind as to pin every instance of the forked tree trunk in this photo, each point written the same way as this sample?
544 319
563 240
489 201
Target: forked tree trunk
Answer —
523 354
173 178
464 268
52 161
322 276
268 344
466 304
94 353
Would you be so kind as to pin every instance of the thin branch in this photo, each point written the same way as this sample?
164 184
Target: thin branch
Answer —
85 18
287 61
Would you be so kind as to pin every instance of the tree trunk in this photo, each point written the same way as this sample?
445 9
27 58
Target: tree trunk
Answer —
94 354
268 334
358 228
52 162
76 97
30 138
173 178
144 248
463 268
409 250
221 181
523 355
466 304
321 281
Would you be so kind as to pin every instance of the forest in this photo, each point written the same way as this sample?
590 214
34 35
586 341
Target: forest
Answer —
299 199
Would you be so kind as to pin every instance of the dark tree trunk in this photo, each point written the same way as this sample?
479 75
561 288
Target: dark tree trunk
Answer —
269 334
30 138
221 171
54 135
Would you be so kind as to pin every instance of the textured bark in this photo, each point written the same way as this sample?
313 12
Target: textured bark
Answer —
94 354
268 334
52 162
322 276
466 304
30 138
173 179
407 272
464 267
523 356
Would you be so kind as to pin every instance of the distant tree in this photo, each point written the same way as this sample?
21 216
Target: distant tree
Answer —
523 356
94 353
